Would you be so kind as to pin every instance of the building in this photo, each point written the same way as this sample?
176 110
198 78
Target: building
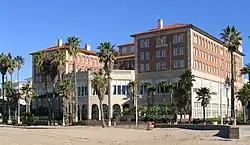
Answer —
86 59
165 52
126 57
89 104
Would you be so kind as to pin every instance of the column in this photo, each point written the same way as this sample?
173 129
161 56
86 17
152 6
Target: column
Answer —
80 109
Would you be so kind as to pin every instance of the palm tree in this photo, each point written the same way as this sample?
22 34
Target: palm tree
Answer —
27 92
100 84
12 67
166 88
186 82
246 70
5 63
152 89
133 88
107 56
74 44
147 85
231 37
244 96
65 90
43 61
204 96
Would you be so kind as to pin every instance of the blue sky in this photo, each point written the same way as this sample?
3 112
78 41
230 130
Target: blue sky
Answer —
30 25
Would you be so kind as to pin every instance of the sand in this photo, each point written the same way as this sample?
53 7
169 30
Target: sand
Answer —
111 136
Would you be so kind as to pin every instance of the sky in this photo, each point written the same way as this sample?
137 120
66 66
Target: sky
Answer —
30 25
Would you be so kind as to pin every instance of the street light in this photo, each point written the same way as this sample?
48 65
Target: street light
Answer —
136 109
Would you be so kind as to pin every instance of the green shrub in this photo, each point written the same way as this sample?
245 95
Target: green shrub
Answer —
79 123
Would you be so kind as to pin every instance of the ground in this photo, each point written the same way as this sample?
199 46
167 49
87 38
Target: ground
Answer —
111 136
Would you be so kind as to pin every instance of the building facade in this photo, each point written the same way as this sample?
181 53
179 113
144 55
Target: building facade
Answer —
86 59
89 104
125 59
164 53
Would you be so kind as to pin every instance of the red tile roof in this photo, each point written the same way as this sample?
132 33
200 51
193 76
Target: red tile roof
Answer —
125 56
84 50
127 44
169 27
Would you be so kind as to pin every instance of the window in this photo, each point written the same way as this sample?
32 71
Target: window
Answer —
178 63
114 89
163 40
124 49
163 65
146 43
147 55
78 91
195 39
181 51
82 91
86 90
141 43
178 51
158 66
94 92
147 67
161 53
158 41
119 90
175 38
141 55
124 91
181 38
142 68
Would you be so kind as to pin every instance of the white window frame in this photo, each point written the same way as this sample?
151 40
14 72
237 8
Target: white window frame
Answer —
147 66
147 55
142 67
142 55
158 66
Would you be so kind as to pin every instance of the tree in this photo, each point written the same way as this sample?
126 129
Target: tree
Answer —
244 96
73 43
27 92
152 89
133 88
147 85
100 84
166 88
204 96
184 90
43 61
246 70
5 63
107 56
65 90
231 37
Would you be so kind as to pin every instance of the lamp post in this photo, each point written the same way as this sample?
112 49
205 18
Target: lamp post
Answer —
136 110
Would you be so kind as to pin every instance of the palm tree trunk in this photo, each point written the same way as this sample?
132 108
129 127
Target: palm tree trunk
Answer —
47 97
204 115
64 113
53 102
8 98
102 115
232 88
18 102
109 101
76 96
3 97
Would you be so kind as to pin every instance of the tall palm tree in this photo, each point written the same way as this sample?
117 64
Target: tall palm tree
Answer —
244 96
5 63
73 43
166 88
231 37
107 56
100 84
246 70
133 88
65 90
19 63
204 96
152 89
43 61
27 92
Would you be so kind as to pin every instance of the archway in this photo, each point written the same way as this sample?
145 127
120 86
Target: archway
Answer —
84 112
95 112
105 111
116 110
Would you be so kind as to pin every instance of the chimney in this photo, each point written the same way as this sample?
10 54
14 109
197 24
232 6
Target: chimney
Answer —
159 24
59 42
87 46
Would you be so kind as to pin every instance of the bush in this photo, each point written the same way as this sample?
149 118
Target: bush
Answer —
211 120
80 123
